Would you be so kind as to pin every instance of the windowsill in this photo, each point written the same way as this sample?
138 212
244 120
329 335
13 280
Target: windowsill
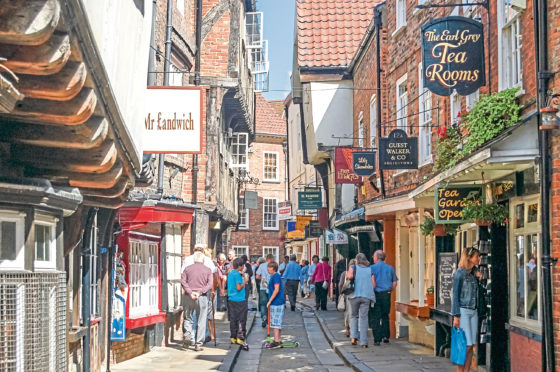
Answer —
44 267
426 162
413 309
399 31
146 320
271 181
271 229
523 331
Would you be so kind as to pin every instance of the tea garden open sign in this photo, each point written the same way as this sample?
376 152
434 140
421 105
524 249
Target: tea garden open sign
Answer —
453 55
451 200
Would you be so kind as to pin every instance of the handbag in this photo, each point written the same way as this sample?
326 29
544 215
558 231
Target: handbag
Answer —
349 284
458 346
341 306
325 282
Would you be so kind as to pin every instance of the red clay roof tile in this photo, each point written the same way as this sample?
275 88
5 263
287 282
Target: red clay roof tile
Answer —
269 116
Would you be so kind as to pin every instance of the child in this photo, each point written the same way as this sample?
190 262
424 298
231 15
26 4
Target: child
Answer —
275 303
237 304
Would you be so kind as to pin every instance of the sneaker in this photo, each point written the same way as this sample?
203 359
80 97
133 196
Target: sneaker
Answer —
186 344
264 324
240 341
233 340
385 340
275 345
198 348
377 343
207 339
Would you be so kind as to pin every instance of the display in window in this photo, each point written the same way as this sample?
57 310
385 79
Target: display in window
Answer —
118 311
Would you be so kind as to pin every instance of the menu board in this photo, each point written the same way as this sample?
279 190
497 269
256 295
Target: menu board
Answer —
446 266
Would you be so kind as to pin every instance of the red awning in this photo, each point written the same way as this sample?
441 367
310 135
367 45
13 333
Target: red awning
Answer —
157 213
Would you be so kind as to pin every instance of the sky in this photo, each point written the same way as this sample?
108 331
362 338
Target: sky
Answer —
278 19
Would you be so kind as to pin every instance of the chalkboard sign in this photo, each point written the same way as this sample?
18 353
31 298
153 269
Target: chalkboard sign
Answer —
451 200
446 266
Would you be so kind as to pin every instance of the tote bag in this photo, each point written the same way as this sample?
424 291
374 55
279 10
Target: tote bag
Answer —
458 346
325 283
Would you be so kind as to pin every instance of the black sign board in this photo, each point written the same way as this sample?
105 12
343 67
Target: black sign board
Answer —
398 151
363 163
451 200
446 267
453 56
310 199
313 230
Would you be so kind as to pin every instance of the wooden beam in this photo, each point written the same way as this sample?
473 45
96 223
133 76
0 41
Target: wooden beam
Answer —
9 95
62 86
84 136
95 181
74 112
109 203
28 22
97 160
115 191
45 59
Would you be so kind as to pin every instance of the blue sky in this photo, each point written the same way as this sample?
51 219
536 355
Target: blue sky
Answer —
278 18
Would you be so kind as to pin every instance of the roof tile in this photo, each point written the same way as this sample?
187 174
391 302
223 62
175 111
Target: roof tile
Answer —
269 116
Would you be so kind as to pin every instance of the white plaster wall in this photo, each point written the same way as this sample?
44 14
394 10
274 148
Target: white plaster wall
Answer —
122 34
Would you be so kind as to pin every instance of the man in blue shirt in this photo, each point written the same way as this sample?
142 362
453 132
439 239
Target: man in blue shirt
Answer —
385 281
291 276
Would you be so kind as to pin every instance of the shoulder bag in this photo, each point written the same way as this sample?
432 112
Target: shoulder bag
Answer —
325 282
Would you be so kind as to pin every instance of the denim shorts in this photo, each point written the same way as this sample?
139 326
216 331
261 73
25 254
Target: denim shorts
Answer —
276 315
469 324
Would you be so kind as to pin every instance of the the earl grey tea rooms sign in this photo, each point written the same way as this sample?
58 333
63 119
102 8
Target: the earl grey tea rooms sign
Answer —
453 56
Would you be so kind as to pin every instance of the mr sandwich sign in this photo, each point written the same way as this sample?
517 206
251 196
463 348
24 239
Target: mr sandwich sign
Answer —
172 120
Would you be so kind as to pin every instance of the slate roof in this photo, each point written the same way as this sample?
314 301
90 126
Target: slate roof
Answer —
268 119
330 31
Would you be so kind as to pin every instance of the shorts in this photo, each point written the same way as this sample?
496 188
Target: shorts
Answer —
276 315
469 324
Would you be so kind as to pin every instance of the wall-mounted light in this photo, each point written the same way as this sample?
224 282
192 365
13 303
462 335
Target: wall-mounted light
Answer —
549 119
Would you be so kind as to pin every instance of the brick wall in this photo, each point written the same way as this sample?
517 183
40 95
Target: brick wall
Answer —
125 350
525 353
215 46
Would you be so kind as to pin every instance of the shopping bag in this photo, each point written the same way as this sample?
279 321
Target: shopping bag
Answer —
458 346
341 306
348 286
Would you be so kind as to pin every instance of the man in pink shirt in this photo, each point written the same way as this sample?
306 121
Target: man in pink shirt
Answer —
322 277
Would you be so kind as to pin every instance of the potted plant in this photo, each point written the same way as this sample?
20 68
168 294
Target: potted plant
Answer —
484 214
430 296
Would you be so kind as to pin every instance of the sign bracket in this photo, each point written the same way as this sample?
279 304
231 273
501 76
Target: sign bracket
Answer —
422 6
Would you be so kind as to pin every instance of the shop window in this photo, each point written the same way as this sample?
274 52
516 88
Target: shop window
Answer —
270 166
243 214
240 250
143 277
11 241
174 257
510 43
239 147
271 250
425 120
525 256
270 214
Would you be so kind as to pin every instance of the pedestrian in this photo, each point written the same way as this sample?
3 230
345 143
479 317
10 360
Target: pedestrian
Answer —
339 268
464 300
361 299
304 287
347 306
264 277
275 303
386 281
292 276
222 293
237 302
254 286
213 300
248 269
321 277
196 281
314 262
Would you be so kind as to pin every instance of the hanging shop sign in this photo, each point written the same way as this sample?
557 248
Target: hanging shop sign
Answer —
310 199
251 199
284 210
302 221
451 200
293 232
336 237
314 229
453 55
398 151
343 169
363 163
172 120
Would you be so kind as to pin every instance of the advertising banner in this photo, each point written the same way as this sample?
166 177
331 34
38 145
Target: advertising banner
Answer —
398 151
172 120
453 56
344 172
293 232
284 211
336 237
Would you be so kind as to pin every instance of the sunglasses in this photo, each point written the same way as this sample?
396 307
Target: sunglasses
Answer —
471 251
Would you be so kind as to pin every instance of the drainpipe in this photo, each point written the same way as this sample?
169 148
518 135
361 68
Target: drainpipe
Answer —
377 20
543 75
152 59
86 288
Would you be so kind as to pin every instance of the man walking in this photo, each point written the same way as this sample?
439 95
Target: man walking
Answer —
263 277
196 281
292 275
386 282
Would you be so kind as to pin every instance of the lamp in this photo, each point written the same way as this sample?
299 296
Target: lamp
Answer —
549 119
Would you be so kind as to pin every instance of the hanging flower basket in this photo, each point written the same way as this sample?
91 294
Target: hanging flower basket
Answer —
482 222
439 230
484 214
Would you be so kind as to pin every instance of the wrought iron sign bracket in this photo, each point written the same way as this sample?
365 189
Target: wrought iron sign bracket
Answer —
422 6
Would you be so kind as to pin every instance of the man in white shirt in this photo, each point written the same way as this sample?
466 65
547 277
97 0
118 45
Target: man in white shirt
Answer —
263 275
189 260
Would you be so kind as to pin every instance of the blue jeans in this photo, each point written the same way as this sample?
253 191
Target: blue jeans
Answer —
359 319
469 324
263 299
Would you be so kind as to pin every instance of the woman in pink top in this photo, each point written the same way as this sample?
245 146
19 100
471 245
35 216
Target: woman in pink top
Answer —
321 275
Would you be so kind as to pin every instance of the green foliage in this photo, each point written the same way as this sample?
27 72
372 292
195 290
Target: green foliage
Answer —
427 228
489 117
430 290
451 228
476 211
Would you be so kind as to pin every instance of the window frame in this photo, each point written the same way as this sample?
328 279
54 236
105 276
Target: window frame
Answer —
245 249
142 280
19 262
235 156
400 15
244 210
276 251
277 168
504 67
174 260
50 224
402 105
425 117
361 130
529 228
275 204
372 120
454 110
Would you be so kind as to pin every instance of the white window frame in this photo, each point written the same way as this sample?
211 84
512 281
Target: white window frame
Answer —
265 212
533 228
174 256
425 120
372 120
236 156
142 285
50 224
472 99
94 271
400 15
512 46
361 129
240 250
243 211
402 104
275 250
19 262
454 107
276 177
180 5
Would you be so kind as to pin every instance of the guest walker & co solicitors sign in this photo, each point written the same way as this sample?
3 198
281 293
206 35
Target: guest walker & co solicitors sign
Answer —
453 55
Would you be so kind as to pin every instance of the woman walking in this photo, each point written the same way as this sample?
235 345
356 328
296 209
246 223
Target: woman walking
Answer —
304 278
322 277
465 300
347 306
361 299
